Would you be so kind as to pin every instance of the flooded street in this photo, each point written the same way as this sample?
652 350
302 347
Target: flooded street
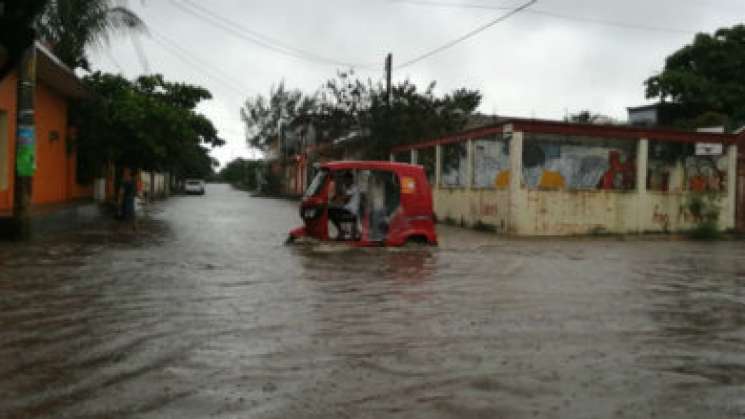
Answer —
206 314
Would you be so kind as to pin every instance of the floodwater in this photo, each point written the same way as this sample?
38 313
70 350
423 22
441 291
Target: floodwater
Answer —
205 314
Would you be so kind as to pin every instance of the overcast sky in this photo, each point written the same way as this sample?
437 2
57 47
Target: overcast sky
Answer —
559 56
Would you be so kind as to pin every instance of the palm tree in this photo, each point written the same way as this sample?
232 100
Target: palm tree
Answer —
16 21
72 26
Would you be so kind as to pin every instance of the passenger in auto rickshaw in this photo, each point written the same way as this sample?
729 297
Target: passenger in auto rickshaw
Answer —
344 206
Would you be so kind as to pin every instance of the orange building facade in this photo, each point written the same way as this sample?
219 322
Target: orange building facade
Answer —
54 180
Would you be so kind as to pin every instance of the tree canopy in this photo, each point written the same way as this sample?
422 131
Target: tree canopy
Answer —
17 33
588 117
346 104
704 80
242 173
72 26
263 115
148 123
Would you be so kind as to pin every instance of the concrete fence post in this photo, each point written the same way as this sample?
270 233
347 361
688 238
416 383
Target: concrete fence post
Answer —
730 221
517 205
642 163
469 163
516 161
438 165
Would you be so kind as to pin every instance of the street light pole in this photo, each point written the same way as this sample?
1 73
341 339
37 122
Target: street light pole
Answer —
388 70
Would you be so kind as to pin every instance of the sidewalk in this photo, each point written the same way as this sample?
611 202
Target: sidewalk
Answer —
56 218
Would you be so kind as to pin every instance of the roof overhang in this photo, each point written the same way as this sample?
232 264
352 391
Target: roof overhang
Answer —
55 74
535 126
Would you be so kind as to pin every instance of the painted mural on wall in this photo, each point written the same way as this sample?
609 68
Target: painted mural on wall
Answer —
491 163
454 164
675 167
706 173
565 163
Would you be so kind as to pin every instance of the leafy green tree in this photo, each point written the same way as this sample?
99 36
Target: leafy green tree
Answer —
587 117
263 116
149 124
704 79
241 173
346 104
73 26
412 115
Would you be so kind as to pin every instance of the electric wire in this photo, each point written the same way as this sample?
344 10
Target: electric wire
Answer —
555 15
205 15
203 63
206 73
468 35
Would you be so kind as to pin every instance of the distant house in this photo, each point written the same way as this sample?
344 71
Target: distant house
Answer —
55 179
661 114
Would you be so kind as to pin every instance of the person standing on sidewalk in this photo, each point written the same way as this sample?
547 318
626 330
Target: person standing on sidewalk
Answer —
127 195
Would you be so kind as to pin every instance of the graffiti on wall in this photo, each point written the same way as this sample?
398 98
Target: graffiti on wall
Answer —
557 165
661 218
675 167
705 173
491 163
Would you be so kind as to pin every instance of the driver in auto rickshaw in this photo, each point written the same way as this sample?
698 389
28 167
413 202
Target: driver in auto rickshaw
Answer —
344 206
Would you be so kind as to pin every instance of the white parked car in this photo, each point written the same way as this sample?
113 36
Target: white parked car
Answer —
194 186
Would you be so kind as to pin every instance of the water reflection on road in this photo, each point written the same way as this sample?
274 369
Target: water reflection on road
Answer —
206 314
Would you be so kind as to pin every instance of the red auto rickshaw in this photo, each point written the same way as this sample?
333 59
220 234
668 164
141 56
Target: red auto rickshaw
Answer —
368 203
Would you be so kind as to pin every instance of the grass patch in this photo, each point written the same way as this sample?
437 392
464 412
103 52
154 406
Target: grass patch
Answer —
599 231
707 230
448 220
705 209
486 227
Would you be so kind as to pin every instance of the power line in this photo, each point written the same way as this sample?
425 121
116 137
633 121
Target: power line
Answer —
230 87
236 29
548 13
204 63
302 53
470 34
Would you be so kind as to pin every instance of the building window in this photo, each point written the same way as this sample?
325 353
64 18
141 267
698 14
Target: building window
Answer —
491 162
454 164
555 162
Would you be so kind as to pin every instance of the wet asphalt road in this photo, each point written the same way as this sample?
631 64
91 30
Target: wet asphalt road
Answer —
205 314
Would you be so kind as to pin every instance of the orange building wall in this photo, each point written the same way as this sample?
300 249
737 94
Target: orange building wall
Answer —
51 177
55 177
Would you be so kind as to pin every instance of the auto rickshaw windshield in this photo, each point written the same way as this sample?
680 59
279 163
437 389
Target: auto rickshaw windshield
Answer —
317 184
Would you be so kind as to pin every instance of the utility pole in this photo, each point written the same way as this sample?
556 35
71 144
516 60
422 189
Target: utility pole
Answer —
388 70
25 145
